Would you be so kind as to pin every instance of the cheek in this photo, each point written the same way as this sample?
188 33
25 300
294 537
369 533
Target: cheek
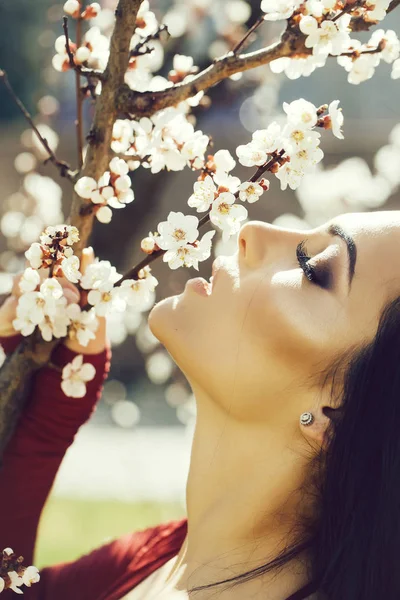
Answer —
295 325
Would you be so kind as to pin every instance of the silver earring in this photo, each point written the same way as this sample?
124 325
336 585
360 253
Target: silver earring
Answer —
306 418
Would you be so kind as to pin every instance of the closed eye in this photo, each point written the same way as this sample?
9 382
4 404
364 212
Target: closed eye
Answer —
321 276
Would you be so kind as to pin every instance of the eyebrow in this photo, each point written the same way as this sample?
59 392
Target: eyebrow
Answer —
336 230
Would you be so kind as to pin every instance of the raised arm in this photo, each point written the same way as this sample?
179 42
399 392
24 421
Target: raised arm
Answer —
45 431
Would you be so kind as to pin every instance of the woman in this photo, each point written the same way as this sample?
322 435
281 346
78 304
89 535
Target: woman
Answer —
294 483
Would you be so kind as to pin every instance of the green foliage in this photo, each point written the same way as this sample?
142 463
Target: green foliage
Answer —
71 527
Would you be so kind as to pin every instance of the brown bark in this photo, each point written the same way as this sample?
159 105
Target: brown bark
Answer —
100 135
147 103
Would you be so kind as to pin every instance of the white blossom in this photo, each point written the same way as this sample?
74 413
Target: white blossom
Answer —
137 292
295 137
278 9
75 375
29 280
119 167
190 254
203 194
71 7
85 186
226 180
23 324
391 44
264 142
328 37
51 288
35 255
224 161
289 176
337 118
227 215
361 68
182 63
378 9
250 155
56 325
15 582
82 55
298 66
30 575
178 230
36 306
83 324
99 273
301 113
104 214
106 299
395 74
70 268
250 192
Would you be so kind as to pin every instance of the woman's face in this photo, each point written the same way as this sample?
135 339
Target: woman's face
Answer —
254 344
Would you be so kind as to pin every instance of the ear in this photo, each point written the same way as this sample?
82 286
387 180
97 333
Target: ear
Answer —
318 430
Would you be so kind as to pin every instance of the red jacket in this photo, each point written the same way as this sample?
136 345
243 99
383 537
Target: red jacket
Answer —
30 463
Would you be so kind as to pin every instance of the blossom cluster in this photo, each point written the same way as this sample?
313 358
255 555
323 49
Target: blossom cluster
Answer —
297 141
44 304
92 53
167 140
106 300
289 151
13 575
112 189
327 28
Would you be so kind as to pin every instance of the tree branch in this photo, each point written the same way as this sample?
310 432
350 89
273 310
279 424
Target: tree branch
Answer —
133 273
100 136
62 166
147 103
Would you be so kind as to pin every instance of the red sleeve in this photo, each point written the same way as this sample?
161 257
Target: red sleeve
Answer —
111 571
34 453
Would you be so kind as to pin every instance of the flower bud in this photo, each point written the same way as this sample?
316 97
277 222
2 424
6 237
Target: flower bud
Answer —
72 8
91 11
104 214
147 245
82 55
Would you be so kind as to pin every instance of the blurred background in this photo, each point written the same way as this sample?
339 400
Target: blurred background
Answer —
127 468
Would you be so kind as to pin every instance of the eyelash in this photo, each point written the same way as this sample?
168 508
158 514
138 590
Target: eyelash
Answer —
321 277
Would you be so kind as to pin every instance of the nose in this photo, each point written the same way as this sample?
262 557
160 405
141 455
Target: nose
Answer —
258 239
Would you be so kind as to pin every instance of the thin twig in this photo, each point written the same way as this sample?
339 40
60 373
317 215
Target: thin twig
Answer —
348 8
133 273
88 73
64 168
148 103
357 53
255 26
137 50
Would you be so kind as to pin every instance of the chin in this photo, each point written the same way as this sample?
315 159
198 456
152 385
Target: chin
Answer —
160 317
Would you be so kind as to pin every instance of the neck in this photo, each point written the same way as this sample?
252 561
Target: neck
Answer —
242 500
